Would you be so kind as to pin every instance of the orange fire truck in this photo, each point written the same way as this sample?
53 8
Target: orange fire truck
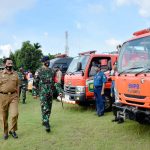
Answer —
78 83
133 79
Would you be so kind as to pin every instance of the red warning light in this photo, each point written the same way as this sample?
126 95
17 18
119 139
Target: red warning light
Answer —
141 32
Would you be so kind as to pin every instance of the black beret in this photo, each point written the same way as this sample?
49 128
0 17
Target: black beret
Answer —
45 58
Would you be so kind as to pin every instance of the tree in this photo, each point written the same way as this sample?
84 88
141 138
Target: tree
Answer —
12 56
28 56
51 56
1 61
37 45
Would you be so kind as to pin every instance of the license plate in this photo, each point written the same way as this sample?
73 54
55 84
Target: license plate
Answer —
66 97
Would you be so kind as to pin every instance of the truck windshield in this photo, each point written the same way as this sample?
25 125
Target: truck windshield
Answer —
83 59
134 56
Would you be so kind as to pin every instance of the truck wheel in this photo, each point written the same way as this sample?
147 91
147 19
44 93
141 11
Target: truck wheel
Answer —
83 103
140 118
108 103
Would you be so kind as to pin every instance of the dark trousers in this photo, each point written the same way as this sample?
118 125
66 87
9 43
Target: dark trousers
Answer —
100 105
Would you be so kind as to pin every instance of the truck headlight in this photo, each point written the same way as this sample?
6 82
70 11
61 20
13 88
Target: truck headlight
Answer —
80 89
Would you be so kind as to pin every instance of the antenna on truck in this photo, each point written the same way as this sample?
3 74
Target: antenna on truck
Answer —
88 52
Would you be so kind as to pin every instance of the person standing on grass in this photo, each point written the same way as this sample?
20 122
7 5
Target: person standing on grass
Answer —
23 84
9 97
99 84
44 81
112 73
57 78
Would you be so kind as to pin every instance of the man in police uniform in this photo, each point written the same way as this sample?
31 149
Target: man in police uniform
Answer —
9 98
99 84
44 81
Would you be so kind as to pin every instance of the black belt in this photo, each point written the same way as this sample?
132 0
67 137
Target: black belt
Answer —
8 93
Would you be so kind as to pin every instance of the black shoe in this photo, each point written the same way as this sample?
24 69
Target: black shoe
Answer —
5 136
100 115
47 126
48 130
14 134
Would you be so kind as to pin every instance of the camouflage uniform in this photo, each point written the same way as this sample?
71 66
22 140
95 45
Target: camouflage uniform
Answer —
35 89
45 82
22 86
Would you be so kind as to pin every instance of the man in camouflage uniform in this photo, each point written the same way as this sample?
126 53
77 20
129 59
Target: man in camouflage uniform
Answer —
23 84
45 82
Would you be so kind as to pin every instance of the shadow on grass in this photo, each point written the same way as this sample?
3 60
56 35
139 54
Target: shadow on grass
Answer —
135 129
76 107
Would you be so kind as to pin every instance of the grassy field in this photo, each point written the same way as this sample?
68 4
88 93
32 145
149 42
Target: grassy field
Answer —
75 128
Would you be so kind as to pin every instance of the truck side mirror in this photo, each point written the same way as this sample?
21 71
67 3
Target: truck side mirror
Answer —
118 47
79 66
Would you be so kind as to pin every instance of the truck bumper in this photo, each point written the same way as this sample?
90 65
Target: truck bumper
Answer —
75 97
133 113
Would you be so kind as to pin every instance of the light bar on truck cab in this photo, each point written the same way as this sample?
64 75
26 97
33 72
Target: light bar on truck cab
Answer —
61 56
88 52
141 32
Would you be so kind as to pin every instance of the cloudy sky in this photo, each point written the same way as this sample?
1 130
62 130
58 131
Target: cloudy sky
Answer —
91 24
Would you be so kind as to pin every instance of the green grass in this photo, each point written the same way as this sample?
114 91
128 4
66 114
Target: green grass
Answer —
75 128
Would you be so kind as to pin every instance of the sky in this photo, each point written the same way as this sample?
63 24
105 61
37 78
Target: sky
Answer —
91 24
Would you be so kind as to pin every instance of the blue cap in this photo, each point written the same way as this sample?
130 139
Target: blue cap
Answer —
45 58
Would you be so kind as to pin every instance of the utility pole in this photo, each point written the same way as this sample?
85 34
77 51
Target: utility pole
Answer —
66 46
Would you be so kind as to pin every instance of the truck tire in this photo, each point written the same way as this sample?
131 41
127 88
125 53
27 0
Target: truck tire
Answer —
83 103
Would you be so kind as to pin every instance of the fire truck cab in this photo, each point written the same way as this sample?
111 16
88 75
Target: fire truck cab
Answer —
78 82
133 79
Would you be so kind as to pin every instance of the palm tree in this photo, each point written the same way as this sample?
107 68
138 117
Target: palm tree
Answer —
37 45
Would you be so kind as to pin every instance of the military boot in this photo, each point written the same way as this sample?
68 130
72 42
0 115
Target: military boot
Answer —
23 101
47 126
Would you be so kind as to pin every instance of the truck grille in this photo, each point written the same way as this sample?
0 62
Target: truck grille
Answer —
70 89
135 96
132 102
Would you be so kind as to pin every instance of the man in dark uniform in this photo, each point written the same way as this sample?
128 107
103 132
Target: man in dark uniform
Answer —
45 83
99 84
9 98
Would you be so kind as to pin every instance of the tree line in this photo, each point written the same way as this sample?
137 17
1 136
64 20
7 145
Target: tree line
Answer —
28 56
